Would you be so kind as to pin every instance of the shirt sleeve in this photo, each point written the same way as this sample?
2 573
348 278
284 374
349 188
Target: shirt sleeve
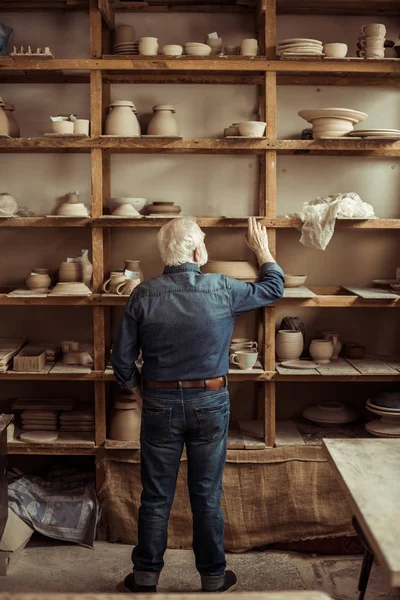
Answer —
126 349
267 290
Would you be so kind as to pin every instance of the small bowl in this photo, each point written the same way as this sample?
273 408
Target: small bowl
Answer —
195 44
354 350
172 50
395 287
125 210
137 203
198 51
62 127
293 281
252 128
232 130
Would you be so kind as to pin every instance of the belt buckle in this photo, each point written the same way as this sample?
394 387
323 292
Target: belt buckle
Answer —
179 385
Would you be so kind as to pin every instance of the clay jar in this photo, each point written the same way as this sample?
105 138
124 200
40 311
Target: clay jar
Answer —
13 125
39 279
70 271
148 46
125 421
289 344
321 351
135 271
163 122
121 120
333 336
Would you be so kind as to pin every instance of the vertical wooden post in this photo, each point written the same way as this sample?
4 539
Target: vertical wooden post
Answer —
269 413
100 412
270 29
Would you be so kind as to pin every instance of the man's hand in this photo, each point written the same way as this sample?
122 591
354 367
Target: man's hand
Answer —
257 240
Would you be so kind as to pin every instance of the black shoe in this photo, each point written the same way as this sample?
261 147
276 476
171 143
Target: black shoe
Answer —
131 587
229 585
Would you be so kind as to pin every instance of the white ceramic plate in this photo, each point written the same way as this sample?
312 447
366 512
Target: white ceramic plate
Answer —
362 132
299 364
341 113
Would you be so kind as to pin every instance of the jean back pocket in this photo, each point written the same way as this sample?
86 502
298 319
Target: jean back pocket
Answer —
213 421
156 424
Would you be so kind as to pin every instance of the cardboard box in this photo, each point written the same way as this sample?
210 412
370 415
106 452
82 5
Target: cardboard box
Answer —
31 359
15 537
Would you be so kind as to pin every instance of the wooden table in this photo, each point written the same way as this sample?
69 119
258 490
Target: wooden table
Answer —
290 595
369 471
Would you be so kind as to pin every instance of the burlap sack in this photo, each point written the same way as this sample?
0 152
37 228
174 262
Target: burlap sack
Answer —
269 496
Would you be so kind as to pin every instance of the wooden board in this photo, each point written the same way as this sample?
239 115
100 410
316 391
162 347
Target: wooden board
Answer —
299 372
287 434
252 433
372 293
257 369
337 367
61 369
369 471
289 595
298 292
372 366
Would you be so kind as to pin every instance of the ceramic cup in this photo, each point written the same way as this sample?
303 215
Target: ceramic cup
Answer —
129 286
243 359
249 47
69 347
335 50
374 29
81 126
373 42
114 285
372 53
243 344
215 45
148 46
63 127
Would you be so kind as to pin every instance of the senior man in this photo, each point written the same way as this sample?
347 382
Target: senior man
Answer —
183 322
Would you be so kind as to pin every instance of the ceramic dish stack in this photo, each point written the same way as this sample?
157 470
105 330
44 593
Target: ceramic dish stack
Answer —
77 420
163 209
330 413
387 406
300 48
124 41
127 49
332 122
376 134
43 420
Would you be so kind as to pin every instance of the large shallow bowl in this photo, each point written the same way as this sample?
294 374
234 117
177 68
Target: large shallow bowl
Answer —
198 50
70 289
346 113
387 400
237 269
293 281
137 203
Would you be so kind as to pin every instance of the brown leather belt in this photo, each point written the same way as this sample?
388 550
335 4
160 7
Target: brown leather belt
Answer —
208 384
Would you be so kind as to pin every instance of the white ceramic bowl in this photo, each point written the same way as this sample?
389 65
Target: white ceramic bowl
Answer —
137 203
292 281
335 50
252 128
125 210
172 50
198 51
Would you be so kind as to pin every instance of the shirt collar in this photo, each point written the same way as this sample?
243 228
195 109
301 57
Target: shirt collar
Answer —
184 268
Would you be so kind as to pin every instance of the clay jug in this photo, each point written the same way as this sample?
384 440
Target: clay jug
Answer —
38 281
289 344
125 421
121 120
13 125
163 122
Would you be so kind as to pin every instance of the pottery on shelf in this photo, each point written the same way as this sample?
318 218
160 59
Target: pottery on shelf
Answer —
121 119
231 50
163 122
335 50
242 344
148 46
215 44
330 413
69 346
197 49
321 351
333 336
252 128
244 359
293 281
237 269
289 344
77 209
332 122
172 50
72 197
13 130
137 203
70 272
353 350
77 357
232 130
38 280
163 208
5 123
249 47
8 205
115 283
125 210
62 127
134 269
81 126
72 288
384 427
125 421
124 34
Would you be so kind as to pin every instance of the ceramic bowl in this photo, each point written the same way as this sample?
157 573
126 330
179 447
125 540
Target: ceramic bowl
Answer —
330 413
198 51
72 210
232 130
386 428
62 127
252 128
237 269
354 350
196 44
70 289
387 400
172 50
339 113
161 208
125 210
335 50
292 281
137 203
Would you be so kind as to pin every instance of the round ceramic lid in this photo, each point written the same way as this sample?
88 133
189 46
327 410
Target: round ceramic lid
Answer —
123 103
164 107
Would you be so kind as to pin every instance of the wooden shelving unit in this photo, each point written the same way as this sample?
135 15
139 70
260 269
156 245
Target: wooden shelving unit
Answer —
102 70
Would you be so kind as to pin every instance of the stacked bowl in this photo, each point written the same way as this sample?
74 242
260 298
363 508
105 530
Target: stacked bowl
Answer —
332 122
124 41
387 406
295 47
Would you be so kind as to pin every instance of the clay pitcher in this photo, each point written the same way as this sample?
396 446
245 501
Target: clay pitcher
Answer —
125 421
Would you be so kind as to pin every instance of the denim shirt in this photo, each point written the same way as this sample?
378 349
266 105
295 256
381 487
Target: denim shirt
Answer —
183 322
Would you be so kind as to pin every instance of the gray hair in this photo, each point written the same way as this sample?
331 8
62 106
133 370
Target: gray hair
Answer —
178 239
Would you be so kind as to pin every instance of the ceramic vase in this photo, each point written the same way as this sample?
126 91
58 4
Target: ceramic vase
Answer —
135 270
163 121
334 338
38 281
125 421
289 344
13 125
321 351
121 120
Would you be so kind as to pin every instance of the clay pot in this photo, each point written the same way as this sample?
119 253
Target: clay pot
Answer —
78 357
126 210
321 351
68 346
70 271
81 126
13 125
38 281
249 47
77 209
215 44
163 208
352 350
148 46
72 198
334 338
289 344
125 421
134 267
163 123
115 283
124 34
62 127
121 120
129 286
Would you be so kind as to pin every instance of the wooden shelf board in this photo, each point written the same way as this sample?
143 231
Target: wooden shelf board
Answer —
367 369
339 7
15 376
67 443
120 445
246 435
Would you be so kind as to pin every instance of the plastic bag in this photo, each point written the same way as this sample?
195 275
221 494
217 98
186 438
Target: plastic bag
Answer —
319 217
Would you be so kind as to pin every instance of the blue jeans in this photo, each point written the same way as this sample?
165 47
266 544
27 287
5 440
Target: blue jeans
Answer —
170 419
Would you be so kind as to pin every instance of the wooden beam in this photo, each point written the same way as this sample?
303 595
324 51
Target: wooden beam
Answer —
96 24
100 412
387 8
107 12
269 414
270 29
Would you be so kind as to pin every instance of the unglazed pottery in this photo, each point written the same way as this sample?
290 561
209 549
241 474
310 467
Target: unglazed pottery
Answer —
374 29
249 47
289 344
346 113
137 203
352 350
113 284
72 198
4 123
321 351
39 437
134 269
293 281
77 357
232 130
121 119
70 289
77 209
243 344
197 50
38 281
81 126
252 128
330 413
13 125
335 50
125 210
386 400
232 50
8 205
384 427
163 121
163 208
237 269
69 346
333 336
148 46
215 44
62 127
70 271
244 359
124 34
172 50
125 421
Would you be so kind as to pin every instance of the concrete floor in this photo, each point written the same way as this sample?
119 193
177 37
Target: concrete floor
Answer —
54 567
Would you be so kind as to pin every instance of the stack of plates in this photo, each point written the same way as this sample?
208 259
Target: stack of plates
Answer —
77 420
8 349
332 122
44 404
43 420
384 134
387 406
126 48
330 413
297 47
